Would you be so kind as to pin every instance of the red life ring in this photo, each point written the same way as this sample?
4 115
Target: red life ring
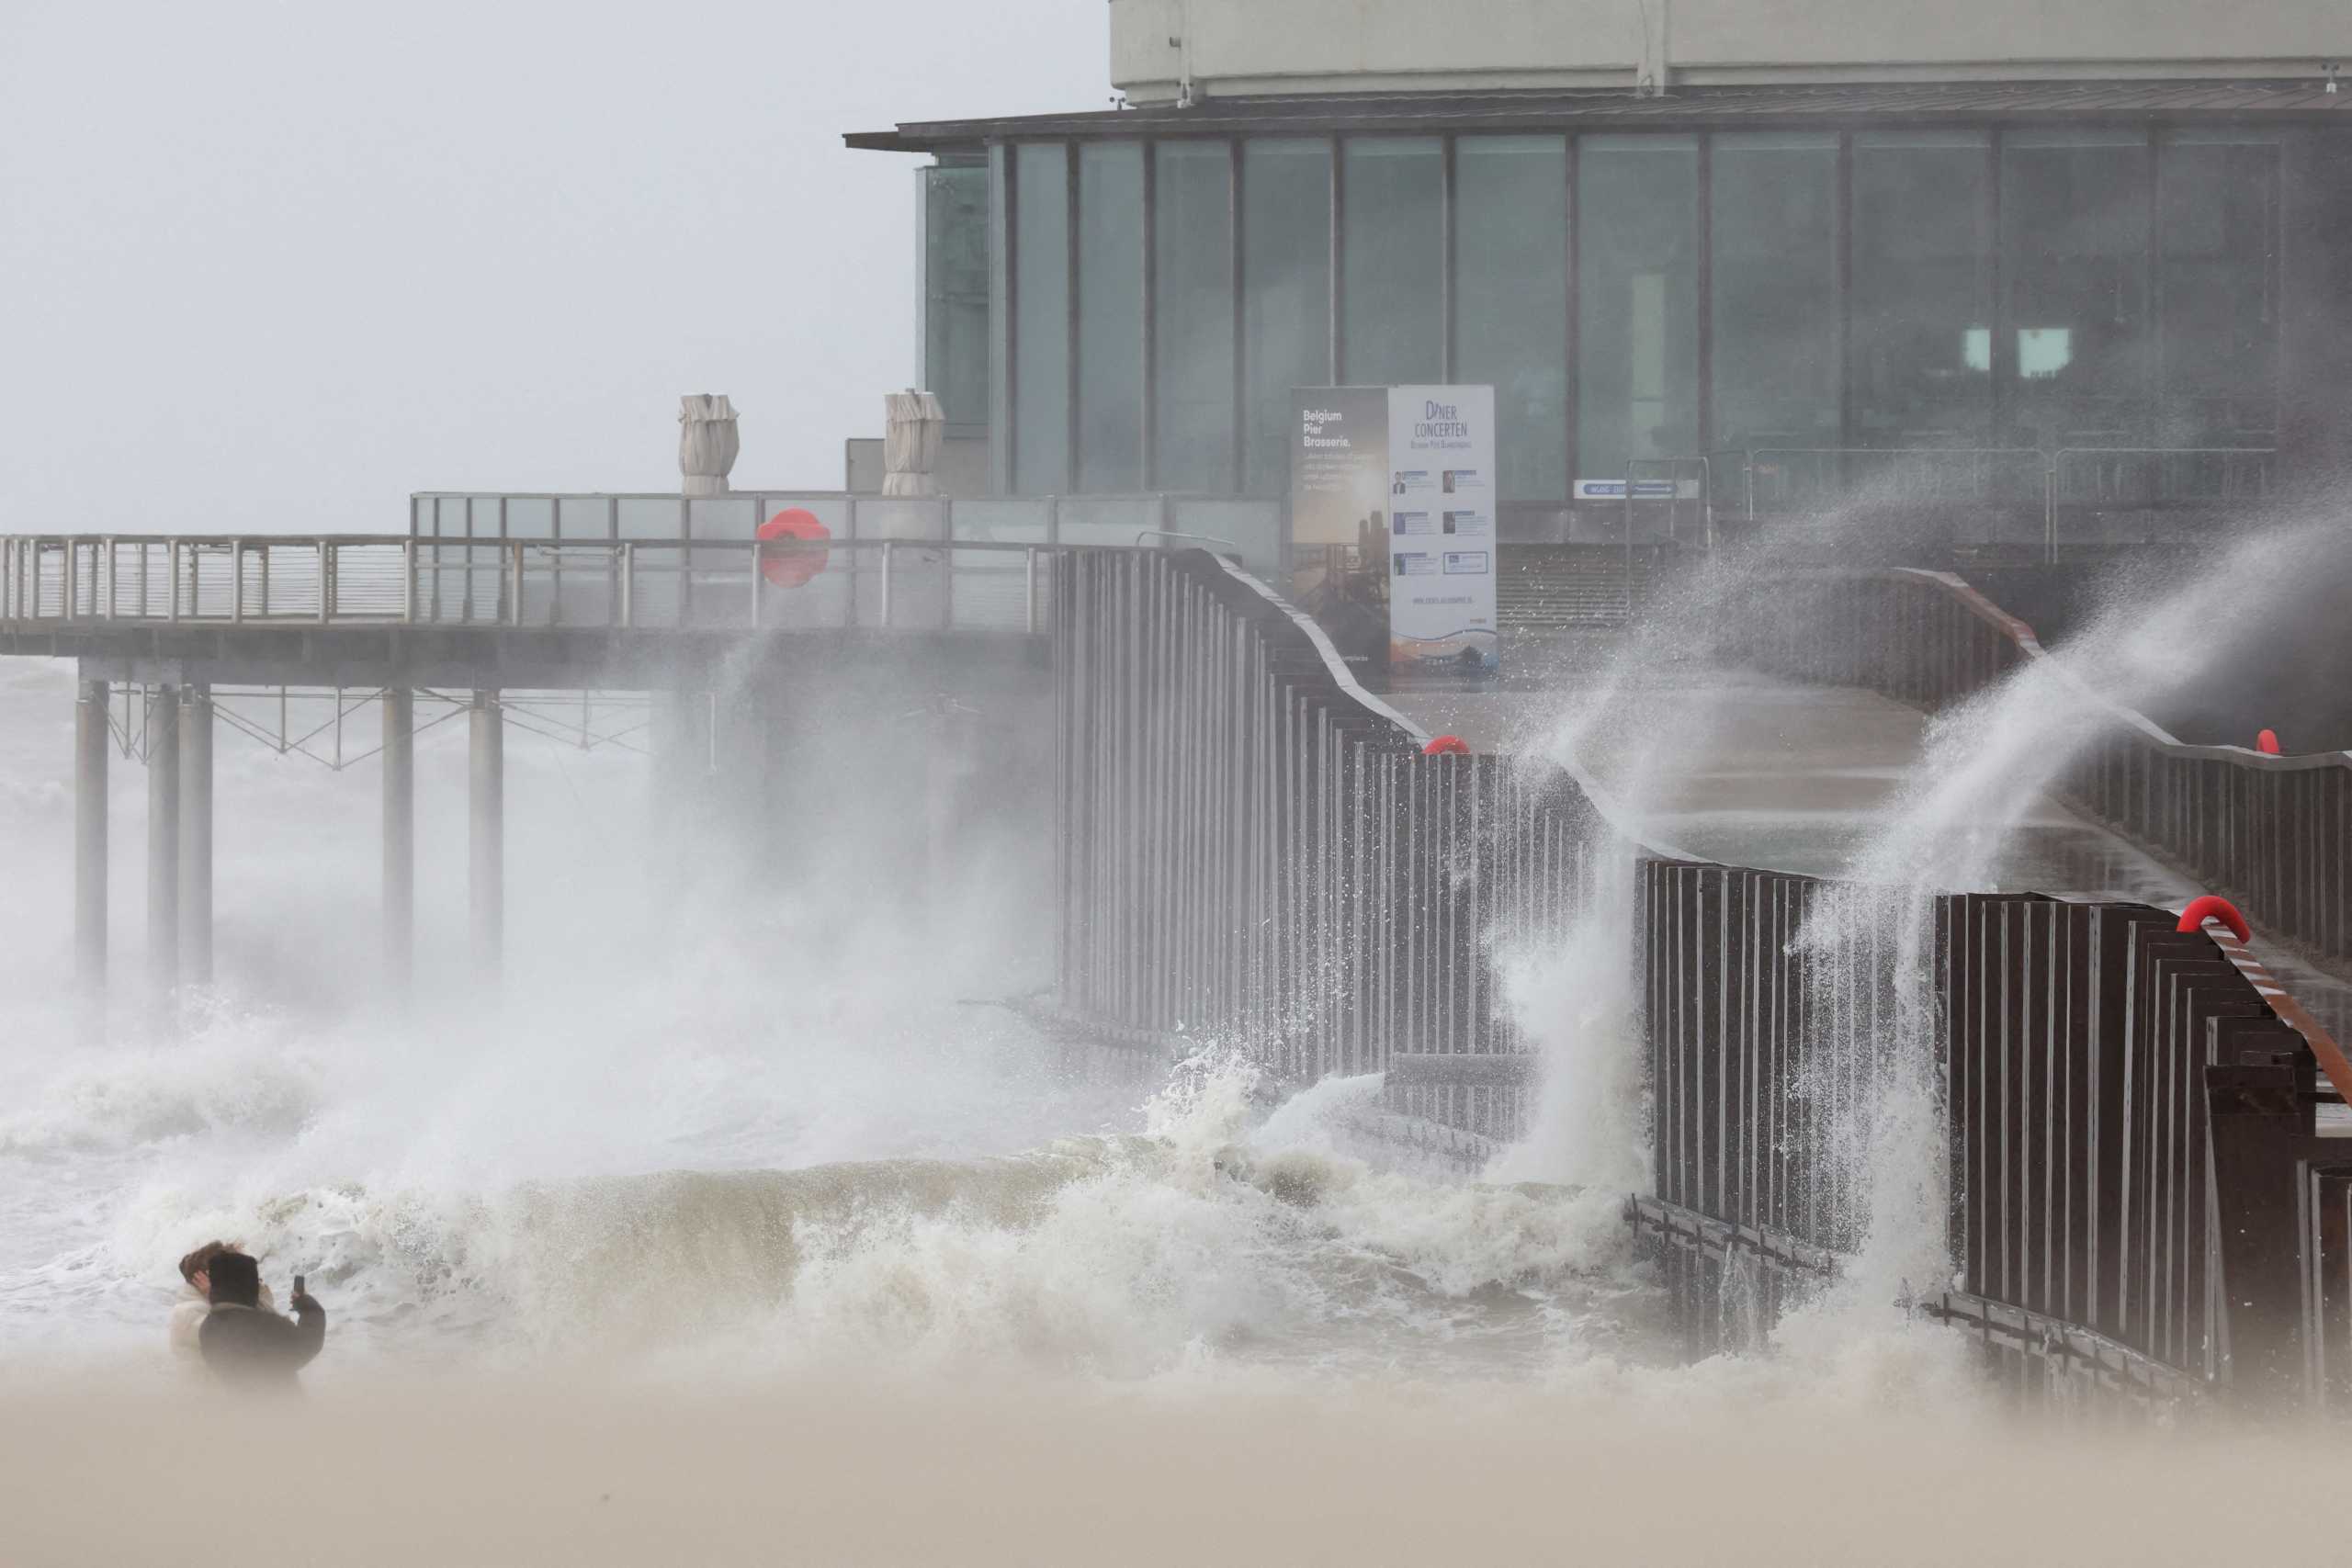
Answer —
787 567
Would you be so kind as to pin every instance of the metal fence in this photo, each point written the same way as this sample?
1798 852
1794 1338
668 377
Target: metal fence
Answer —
2140 1201
1249 527
2272 832
628 584
2015 499
1254 851
1765 1055
2089 1044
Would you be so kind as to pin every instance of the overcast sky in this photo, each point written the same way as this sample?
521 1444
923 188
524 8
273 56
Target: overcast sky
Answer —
272 266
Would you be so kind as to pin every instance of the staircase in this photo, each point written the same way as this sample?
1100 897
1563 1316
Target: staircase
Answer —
1567 587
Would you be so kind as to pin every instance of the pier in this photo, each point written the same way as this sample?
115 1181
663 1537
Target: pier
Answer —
2145 1110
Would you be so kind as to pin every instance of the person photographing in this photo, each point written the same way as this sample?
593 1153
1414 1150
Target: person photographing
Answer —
195 1300
244 1343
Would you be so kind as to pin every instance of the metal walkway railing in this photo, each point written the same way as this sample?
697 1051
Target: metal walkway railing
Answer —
543 584
2274 833
2033 491
1257 854
2140 1198
1255 851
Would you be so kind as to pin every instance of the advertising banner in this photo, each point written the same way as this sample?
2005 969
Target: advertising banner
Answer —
1392 509
1441 531
1338 515
1339 484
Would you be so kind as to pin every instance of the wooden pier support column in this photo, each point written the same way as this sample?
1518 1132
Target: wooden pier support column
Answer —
195 716
398 706
487 834
163 849
91 744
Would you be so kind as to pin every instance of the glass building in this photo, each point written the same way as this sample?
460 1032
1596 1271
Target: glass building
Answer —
1768 275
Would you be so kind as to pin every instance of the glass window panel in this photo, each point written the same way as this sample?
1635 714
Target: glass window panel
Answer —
2218 222
1285 296
1922 301
1392 261
2075 211
1636 301
956 289
1109 316
1041 320
1773 226
1511 204
1193 311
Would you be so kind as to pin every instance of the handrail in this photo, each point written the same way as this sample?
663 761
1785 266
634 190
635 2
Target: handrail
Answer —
91 582
1704 463
2330 1055
254 542
2058 457
1254 849
2027 643
1333 664
2052 461
1204 539
2156 742
1947 452
785 493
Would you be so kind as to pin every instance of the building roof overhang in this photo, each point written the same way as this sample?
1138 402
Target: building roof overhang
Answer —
1842 106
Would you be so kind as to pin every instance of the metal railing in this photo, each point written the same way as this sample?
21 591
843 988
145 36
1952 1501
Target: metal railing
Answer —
2139 1202
629 584
2030 488
1646 478
1254 851
1782 479
1252 527
2272 832
2145 482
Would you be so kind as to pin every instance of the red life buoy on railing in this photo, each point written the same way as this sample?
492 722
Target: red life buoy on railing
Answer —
2210 908
1447 745
788 568
2267 742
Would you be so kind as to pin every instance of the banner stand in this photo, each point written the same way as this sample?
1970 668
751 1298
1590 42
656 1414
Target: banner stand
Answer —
1392 521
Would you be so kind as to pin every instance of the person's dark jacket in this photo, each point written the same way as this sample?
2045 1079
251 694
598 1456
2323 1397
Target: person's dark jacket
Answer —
249 1346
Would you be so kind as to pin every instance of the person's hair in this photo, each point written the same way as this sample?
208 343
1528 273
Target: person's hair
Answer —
236 1280
200 1261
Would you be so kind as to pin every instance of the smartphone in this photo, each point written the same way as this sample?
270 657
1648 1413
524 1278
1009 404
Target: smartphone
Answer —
297 1284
